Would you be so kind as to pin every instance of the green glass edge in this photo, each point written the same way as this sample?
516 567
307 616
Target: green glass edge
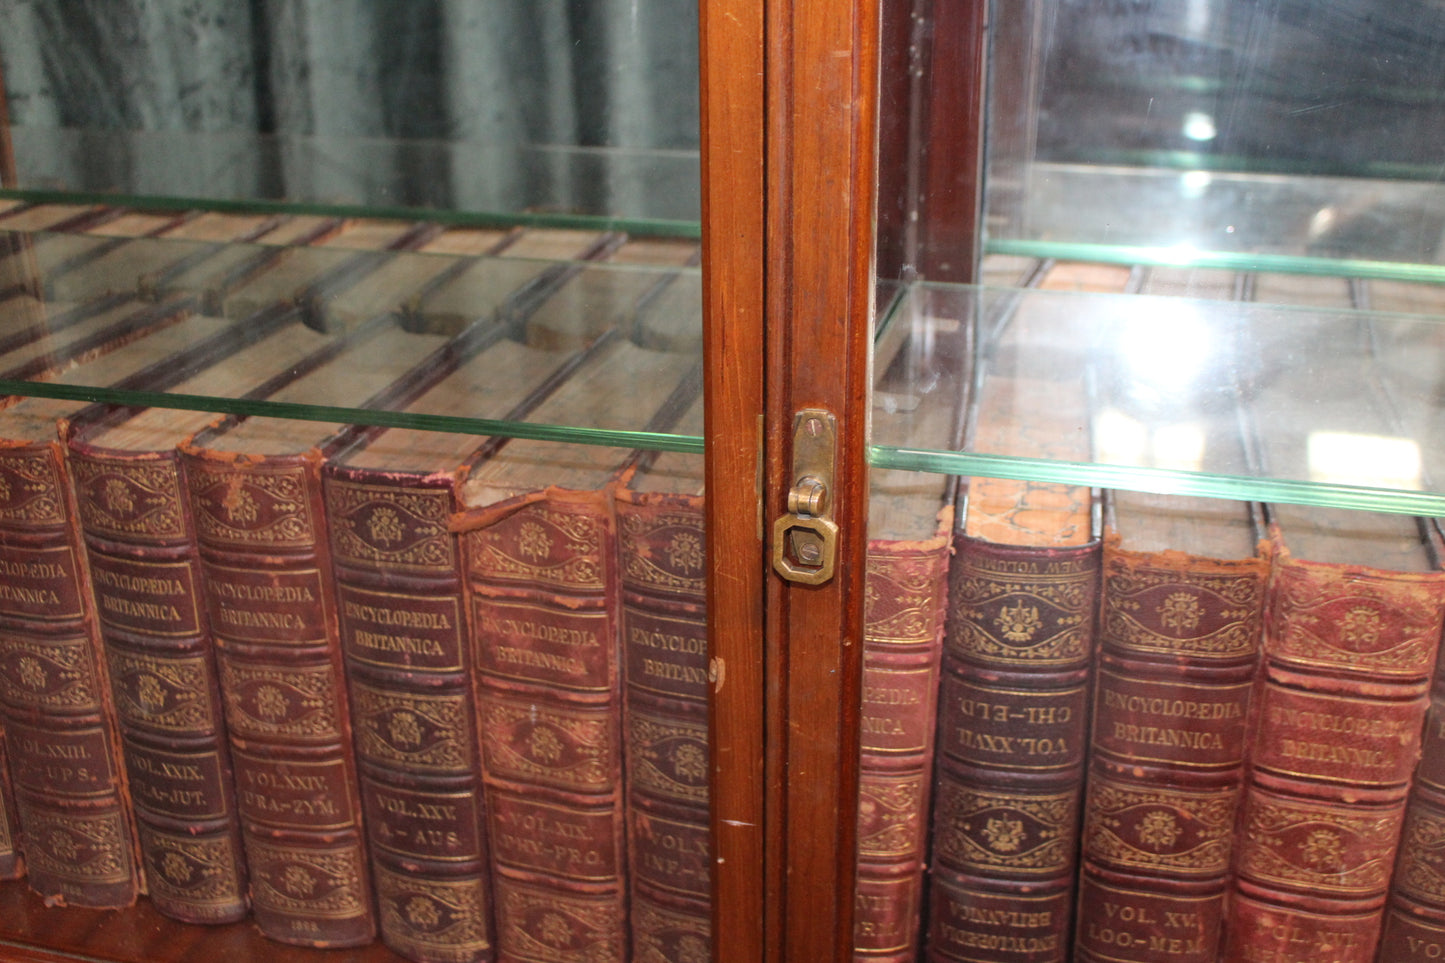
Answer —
1339 90
1156 161
1238 261
1163 480
606 437
691 230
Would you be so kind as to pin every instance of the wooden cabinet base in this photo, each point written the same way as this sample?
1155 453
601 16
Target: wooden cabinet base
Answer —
31 932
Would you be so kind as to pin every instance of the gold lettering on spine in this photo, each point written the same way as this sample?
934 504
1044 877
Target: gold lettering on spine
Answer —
157 598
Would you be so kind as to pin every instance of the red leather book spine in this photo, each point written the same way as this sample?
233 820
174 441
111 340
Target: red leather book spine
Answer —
76 828
143 561
1348 653
662 569
409 672
1414 926
266 568
1178 649
540 579
1013 701
903 618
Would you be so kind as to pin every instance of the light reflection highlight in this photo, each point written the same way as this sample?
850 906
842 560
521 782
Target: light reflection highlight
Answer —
1378 461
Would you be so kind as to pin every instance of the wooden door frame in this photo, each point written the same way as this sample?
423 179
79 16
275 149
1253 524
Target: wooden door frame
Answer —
788 209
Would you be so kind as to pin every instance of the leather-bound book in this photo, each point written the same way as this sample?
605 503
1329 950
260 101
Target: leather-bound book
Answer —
1017 653
661 566
1179 632
541 579
76 831
254 495
141 547
1414 925
409 662
1410 353
1352 627
918 400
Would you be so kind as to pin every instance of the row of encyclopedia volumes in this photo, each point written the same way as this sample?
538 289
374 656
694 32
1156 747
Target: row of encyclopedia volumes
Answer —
209 691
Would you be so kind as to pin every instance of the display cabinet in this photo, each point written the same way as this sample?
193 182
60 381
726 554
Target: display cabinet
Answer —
847 216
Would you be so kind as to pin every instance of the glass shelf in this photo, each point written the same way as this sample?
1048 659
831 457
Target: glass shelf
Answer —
369 302
1100 338
1170 381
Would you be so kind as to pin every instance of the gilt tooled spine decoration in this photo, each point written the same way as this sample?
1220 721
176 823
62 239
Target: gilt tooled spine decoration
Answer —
30 489
88 849
1341 620
200 872
1420 873
1172 612
1158 829
545 547
304 882
662 551
172 694
48 673
129 499
377 525
889 813
252 507
438 919
1314 847
668 759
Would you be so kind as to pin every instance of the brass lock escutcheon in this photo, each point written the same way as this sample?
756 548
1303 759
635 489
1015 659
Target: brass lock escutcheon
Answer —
805 541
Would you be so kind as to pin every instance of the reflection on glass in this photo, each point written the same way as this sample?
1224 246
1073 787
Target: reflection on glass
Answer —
481 105
1319 124
1376 460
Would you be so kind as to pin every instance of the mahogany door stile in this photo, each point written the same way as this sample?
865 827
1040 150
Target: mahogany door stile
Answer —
732 93
822 142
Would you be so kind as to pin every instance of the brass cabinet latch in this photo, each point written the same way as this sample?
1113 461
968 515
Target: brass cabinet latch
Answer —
805 541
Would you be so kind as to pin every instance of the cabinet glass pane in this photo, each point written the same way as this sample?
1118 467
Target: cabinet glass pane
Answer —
368 334
448 105
1288 128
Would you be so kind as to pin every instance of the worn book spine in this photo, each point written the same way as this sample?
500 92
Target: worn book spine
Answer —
1341 698
266 571
409 670
903 618
140 542
1414 927
1178 649
662 565
12 864
1013 701
540 577
76 829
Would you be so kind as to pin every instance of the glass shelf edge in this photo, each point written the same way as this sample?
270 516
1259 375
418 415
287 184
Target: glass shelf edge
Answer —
691 230
1184 257
603 437
1164 481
